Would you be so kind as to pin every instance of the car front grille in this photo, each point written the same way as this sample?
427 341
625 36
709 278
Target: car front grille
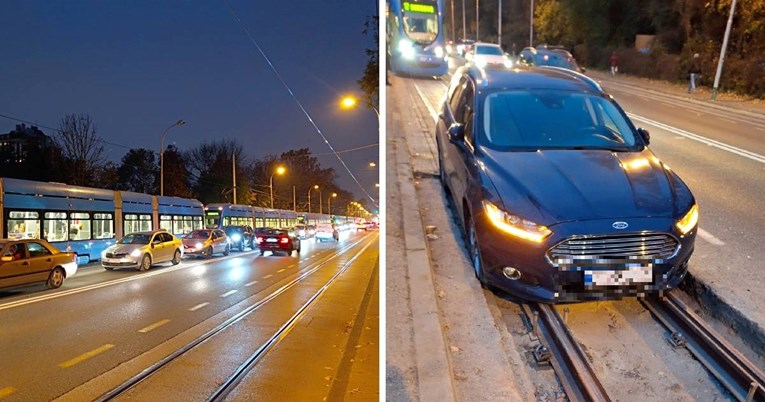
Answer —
118 255
633 246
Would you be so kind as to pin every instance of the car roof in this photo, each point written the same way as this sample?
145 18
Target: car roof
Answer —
529 77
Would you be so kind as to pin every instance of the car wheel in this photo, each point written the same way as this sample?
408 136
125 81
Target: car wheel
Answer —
475 252
227 250
145 263
208 252
109 268
262 253
56 278
442 172
298 250
176 257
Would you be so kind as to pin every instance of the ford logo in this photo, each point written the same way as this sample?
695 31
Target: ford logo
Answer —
620 225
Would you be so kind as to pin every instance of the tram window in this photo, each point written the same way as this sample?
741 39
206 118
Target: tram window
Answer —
197 223
23 225
137 223
79 226
103 226
55 226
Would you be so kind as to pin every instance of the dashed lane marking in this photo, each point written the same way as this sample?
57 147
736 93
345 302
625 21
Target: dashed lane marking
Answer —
267 276
290 266
85 356
154 326
251 283
229 293
6 391
281 270
710 238
198 306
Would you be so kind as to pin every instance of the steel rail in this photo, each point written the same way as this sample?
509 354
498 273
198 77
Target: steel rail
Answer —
134 380
574 370
233 381
744 380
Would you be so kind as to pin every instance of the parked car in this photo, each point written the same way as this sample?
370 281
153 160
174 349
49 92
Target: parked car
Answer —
141 250
205 243
240 236
278 240
556 190
301 231
311 230
326 232
484 54
549 56
29 261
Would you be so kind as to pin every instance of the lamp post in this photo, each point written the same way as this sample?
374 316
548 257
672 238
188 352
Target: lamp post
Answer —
315 186
280 170
329 204
350 101
320 202
162 157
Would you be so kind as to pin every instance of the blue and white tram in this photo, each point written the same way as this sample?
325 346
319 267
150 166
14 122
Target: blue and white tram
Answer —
416 37
88 220
220 214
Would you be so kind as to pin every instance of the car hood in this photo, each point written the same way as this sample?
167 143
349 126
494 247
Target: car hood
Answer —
556 186
124 248
193 242
490 58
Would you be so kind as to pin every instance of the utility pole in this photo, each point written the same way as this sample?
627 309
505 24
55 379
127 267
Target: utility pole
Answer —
454 35
233 169
464 36
531 25
722 51
477 31
499 24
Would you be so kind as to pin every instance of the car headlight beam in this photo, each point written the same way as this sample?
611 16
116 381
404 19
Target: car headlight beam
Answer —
515 225
689 221
136 253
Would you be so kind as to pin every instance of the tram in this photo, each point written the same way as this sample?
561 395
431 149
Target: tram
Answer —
88 220
222 214
415 37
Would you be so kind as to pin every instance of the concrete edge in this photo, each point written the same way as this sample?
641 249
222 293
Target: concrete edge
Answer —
434 368
750 332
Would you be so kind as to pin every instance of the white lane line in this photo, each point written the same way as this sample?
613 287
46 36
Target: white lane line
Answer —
153 326
717 144
281 270
431 110
267 276
250 284
668 105
229 293
710 238
198 306
728 120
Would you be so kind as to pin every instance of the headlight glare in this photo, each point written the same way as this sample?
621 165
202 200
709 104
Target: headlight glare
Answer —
136 253
406 48
439 51
198 246
689 221
515 225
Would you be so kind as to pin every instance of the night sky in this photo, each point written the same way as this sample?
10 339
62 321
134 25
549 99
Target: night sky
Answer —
136 67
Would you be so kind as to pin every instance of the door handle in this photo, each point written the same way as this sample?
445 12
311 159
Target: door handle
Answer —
25 263
48 260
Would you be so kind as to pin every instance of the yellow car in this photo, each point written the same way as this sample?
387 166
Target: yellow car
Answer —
23 262
141 250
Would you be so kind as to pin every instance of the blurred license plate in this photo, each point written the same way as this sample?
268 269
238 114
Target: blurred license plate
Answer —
111 260
618 278
271 240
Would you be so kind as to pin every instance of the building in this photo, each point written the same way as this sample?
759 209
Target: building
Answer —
28 153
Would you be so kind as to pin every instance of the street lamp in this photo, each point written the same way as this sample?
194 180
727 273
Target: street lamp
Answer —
315 186
372 164
329 204
162 157
280 171
350 101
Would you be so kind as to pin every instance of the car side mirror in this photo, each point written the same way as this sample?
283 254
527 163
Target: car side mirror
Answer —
6 258
456 132
644 135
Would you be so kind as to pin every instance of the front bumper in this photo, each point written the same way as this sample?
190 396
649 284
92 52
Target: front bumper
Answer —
120 262
568 280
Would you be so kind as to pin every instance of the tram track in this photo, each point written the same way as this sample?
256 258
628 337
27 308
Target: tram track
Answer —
231 381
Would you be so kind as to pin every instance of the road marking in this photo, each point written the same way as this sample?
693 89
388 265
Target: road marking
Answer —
717 144
728 120
85 356
251 283
290 266
229 293
281 270
709 238
668 105
198 306
6 391
267 276
154 326
431 110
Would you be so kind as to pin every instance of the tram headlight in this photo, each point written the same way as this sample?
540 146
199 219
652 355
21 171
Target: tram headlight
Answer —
439 51
406 48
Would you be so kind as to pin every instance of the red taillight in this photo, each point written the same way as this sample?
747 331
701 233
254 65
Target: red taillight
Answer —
74 257
284 240
260 240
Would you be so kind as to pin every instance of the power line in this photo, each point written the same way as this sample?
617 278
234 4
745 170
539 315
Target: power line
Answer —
289 90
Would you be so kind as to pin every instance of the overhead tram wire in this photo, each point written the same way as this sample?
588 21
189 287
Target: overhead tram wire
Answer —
289 90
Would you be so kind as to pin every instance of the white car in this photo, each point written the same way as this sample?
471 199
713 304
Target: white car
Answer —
484 54
326 232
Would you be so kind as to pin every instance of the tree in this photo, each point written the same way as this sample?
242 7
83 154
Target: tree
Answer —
177 175
211 165
81 149
106 176
370 81
138 171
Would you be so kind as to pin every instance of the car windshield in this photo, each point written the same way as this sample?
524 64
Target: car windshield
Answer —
492 50
532 119
420 21
198 234
136 238
556 59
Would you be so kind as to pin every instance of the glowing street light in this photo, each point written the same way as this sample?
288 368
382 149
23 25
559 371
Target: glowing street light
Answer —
350 102
329 204
162 157
315 186
280 171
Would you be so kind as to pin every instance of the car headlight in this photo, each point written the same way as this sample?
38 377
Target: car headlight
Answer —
406 48
508 63
136 253
439 51
689 221
198 246
480 63
236 237
515 225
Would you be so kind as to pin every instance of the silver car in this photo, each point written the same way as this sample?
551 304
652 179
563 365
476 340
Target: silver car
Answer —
143 249
206 242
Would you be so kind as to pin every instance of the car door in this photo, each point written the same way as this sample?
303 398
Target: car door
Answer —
41 260
17 269
447 118
461 151
218 240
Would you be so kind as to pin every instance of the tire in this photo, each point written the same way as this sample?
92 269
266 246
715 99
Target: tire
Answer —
109 268
475 252
298 250
56 278
176 257
208 252
442 173
145 263
227 250
262 253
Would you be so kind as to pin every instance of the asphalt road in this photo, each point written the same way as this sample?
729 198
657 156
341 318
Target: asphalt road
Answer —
54 341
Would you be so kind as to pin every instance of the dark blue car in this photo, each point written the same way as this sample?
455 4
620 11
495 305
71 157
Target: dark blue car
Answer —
559 196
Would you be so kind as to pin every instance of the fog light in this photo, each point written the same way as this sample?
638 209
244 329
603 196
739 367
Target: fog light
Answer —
511 273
